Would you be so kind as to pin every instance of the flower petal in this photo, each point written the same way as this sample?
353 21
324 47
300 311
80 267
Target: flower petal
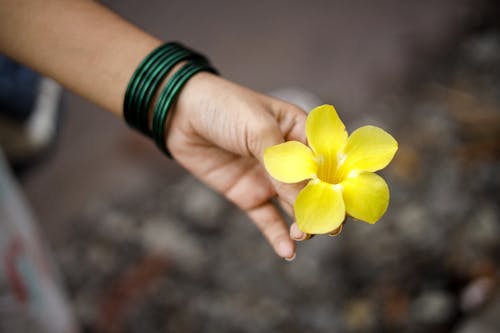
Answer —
319 208
369 148
326 133
290 162
366 196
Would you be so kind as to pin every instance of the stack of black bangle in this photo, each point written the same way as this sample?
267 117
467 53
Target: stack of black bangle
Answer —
146 80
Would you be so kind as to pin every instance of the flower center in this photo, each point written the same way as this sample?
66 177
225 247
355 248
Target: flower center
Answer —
329 168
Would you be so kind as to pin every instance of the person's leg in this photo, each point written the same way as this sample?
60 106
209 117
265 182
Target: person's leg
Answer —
29 108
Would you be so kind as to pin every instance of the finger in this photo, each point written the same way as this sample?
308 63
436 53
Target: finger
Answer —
286 207
297 234
288 192
291 120
274 228
286 122
267 133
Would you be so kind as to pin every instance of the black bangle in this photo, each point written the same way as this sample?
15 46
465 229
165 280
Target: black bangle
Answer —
129 104
147 87
168 96
146 80
152 82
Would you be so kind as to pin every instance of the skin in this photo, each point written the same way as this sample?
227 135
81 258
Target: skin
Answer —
218 130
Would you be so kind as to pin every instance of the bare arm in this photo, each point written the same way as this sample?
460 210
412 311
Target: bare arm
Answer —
80 43
94 52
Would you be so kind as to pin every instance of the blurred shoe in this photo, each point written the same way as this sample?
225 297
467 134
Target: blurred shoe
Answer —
29 110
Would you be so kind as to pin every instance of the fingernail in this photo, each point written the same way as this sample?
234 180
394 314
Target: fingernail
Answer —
291 258
284 248
304 237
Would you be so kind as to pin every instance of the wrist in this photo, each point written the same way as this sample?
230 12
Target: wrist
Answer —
155 85
156 95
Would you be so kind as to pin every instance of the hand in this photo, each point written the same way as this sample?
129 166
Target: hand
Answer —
219 131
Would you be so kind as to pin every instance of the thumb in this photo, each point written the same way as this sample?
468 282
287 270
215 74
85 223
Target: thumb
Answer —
286 123
264 134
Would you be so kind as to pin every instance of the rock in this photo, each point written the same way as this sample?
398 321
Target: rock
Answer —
168 238
359 315
433 307
200 204
476 293
307 270
406 165
396 309
256 312
118 226
484 229
487 320
414 223
101 258
319 316
483 50
475 326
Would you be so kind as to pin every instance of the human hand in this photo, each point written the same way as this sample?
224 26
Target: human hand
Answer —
219 131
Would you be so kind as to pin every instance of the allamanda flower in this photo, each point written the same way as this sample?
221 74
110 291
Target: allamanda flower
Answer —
340 168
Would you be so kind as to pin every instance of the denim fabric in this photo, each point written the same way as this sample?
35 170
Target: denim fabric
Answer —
18 89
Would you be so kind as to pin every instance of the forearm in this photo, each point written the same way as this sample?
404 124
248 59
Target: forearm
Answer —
93 52
79 43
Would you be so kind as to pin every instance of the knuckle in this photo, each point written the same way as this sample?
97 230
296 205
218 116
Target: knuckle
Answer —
263 134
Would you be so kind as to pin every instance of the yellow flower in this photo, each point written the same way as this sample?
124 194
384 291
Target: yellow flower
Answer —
340 168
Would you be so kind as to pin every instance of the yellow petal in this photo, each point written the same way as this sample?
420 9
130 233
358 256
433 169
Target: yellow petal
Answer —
290 162
366 196
326 133
369 148
319 208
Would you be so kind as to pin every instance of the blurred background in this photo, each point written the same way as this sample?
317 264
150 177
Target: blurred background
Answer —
144 247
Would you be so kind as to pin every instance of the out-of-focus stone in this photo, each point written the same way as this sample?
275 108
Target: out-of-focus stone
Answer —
483 50
433 307
484 321
101 258
476 293
406 164
200 204
118 226
359 315
396 309
475 326
320 316
444 194
414 223
484 229
258 312
171 240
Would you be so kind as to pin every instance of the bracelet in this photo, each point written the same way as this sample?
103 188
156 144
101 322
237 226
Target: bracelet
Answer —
146 80
154 80
168 96
130 111
146 88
